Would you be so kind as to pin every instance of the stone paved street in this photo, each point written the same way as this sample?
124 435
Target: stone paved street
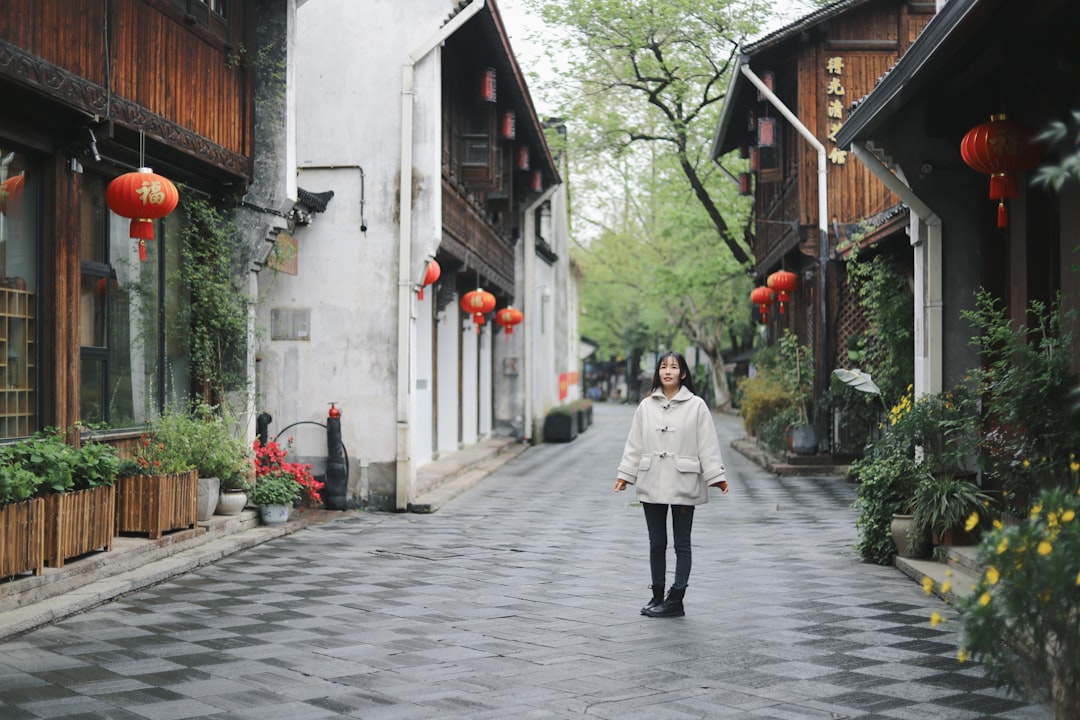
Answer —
519 599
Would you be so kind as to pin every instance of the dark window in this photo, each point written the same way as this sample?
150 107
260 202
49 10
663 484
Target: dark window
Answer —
132 362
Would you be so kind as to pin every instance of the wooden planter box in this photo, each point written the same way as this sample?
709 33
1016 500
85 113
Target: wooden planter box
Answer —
78 522
154 504
22 538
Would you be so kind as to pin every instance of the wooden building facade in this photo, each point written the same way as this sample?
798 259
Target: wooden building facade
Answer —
789 95
93 90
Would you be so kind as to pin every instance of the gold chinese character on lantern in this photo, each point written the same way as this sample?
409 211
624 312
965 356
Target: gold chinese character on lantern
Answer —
151 193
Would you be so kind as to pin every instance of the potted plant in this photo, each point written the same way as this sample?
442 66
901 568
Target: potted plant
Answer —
157 489
279 484
560 424
942 504
22 542
83 518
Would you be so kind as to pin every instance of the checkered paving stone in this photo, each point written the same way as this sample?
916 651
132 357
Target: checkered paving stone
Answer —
519 599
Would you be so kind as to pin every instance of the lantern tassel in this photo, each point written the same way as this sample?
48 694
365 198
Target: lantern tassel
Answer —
142 251
420 295
1003 215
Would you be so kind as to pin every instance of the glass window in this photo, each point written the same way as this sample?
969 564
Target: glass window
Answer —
132 360
19 298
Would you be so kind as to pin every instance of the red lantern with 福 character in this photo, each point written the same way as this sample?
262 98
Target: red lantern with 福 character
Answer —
478 303
508 317
1000 148
431 275
784 283
144 197
763 297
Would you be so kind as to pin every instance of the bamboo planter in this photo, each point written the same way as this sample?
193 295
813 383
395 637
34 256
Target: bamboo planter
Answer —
22 538
155 504
78 522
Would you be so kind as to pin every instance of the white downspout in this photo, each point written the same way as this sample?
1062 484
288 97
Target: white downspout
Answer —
529 270
405 469
822 193
928 285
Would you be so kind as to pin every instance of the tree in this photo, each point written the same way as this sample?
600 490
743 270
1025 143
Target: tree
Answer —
641 90
651 72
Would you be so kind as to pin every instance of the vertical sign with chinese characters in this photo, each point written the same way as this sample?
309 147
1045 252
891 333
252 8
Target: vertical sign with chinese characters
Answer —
834 106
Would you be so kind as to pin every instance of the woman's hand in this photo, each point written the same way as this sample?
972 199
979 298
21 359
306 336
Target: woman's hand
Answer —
620 485
722 485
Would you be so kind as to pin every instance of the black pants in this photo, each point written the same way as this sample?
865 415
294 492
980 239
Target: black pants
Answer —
682 521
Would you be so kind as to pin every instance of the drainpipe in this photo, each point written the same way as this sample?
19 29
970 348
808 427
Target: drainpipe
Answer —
926 239
529 271
823 209
405 469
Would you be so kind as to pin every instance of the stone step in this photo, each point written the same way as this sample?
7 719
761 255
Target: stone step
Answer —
960 577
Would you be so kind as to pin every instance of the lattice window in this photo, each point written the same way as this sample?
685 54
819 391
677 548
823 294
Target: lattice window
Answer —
850 320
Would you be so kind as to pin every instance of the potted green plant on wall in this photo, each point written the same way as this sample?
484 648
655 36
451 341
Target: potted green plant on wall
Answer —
216 315
775 403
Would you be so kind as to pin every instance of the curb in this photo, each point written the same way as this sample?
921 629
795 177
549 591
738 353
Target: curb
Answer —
81 589
434 499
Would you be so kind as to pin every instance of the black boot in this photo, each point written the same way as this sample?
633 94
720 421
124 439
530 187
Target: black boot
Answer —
671 607
657 597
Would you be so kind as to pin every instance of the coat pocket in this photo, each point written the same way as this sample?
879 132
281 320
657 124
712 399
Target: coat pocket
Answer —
687 464
644 463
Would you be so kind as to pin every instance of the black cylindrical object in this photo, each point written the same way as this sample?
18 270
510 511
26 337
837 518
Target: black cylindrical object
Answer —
336 484
262 426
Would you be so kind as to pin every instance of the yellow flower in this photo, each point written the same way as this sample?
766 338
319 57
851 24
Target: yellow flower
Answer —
1074 466
1027 463
963 655
1051 520
948 573
972 521
1044 596
946 586
1003 545
992 575
1068 516
1045 548
927 585
984 599
1078 579
935 619
1036 510
998 525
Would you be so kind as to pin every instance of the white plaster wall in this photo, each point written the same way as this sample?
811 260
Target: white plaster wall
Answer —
487 341
449 336
470 388
348 69
423 394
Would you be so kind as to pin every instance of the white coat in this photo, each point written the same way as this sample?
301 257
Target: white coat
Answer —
672 454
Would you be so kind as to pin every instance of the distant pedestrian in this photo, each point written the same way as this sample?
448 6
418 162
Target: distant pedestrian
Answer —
672 457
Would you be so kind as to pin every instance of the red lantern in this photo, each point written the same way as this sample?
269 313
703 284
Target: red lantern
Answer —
537 181
768 79
509 126
755 158
431 275
744 184
783 282
144 197
523 158
487 86
998 148
508 317
762 297
766 132
478 303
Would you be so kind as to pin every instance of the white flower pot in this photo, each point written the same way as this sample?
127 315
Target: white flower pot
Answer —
231 502
274 514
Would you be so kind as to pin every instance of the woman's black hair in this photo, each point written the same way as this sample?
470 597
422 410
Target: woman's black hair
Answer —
685 376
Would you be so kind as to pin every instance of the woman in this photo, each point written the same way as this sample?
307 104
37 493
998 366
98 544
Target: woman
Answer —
671 457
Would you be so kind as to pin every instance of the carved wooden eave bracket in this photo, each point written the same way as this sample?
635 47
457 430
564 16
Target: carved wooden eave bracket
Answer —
78 93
